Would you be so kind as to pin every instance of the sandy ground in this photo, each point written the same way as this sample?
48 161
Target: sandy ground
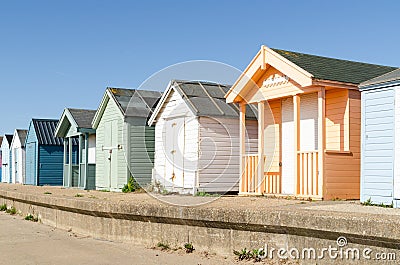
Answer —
25 242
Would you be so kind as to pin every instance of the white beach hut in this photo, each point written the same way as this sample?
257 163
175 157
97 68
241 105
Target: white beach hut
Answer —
197 139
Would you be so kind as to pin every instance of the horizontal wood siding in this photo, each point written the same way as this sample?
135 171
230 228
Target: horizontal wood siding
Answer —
111 113
51 165
141 152
378 137
342 171
219 153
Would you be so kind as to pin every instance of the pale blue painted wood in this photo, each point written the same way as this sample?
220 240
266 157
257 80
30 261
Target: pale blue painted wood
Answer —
31 159
378 137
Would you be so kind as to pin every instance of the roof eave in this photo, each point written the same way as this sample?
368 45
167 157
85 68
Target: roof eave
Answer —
263 57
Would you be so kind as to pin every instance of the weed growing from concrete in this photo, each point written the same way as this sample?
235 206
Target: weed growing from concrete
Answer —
11 210
3 207
32 218
78 195
189 248
104 190
131 186
163 246
370 203
205 194
47 193
245 254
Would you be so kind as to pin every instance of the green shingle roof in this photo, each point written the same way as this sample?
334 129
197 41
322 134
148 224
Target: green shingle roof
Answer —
325 68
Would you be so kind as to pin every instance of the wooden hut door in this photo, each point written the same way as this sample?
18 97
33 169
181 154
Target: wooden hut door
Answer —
110 150
175 138
16 180
287 146
30 170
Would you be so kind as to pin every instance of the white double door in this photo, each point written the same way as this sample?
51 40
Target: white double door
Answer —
308 135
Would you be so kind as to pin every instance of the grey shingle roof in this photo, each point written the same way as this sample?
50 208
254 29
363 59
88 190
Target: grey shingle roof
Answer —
22 135
135 102
325 68
83 117
388 77
45 129
208 99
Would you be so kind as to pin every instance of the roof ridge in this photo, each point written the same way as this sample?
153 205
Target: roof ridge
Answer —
332 58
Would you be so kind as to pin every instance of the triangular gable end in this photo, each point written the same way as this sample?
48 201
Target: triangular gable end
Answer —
66 122
264 58
100 111
172 86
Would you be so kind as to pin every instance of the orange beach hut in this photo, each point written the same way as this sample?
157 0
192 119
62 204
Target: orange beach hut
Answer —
308 124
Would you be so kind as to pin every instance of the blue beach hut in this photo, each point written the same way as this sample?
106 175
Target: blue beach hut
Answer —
380 139
44 154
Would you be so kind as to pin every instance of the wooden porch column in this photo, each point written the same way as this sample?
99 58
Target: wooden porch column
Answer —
242 144
70 161
296 127
86 161
321 141
260 151
65 174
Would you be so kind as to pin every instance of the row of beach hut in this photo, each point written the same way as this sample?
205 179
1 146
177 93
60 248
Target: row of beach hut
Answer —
293 124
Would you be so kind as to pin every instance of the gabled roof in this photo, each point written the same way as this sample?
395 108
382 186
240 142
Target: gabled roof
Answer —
388 77
83 117
325 68
131 102
44 129
306 70
79 119
21 135
203 99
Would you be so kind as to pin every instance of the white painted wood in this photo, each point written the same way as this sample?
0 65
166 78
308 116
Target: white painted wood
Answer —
92 149
203 152
309 122
5 148
396 180
18 160
176 146
287 146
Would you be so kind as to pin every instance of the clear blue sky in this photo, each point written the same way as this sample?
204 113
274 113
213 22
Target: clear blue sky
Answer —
57 54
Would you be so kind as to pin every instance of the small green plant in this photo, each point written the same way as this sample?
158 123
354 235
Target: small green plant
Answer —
3 207
189 247
243 254
11 210
78 195
104 190
131 186
206 194
367 202
47 193
163 246
370 203
32 218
